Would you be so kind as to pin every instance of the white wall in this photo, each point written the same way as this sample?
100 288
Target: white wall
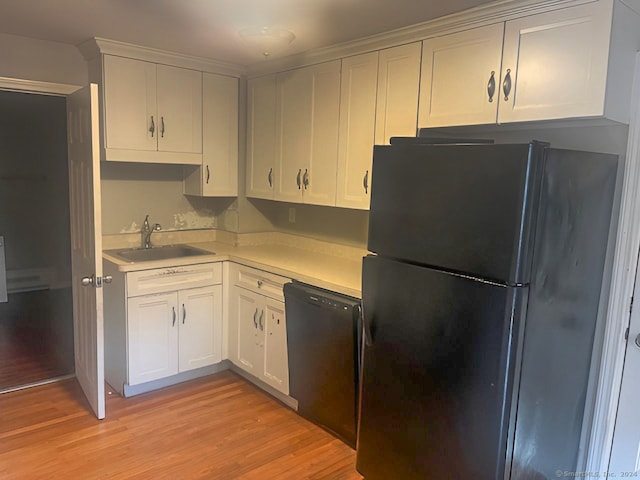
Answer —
31 59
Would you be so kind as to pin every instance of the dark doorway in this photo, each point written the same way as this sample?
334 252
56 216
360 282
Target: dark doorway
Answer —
36 323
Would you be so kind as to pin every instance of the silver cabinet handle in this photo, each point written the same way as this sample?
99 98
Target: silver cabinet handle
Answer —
298 178
152 128
107 279
184 313
208 174
260 320
506 85
638 341
365 182
305 179
162 127
270 177
255 322
491 86
174 316
86 281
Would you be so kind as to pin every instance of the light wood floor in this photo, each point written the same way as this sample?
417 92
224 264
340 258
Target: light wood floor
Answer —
218 427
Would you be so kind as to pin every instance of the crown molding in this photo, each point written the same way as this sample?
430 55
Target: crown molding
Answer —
31 86
93 47
498 11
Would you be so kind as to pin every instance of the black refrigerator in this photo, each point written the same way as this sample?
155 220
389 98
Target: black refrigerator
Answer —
480 305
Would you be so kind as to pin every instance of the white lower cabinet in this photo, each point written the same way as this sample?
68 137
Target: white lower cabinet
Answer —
257 326
162 322
173 332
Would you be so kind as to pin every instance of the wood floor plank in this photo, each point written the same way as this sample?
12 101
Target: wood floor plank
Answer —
218 427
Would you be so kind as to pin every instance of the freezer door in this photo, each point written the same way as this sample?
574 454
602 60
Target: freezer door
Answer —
437 373
463 208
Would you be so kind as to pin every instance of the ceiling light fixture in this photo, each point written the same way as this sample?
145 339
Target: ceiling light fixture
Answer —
267 40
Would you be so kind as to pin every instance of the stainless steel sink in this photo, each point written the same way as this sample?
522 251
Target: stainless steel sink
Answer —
158 253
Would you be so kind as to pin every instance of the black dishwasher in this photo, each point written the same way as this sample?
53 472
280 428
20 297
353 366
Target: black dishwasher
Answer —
323 342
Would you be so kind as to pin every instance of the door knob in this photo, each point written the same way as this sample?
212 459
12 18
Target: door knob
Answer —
86 281
638 341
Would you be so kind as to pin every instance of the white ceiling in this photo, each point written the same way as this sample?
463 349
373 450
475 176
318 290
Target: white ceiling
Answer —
209 28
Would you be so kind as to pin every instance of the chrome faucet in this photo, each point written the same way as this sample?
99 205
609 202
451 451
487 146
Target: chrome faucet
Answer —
147 230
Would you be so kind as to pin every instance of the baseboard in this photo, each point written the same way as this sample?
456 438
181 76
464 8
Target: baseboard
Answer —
286 399
132 390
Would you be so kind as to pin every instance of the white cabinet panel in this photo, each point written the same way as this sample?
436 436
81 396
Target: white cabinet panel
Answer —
129 90
276 361
398 90
248 338
261 134
179 96
218 175
200 332
556 64
459 84
357 130
152 337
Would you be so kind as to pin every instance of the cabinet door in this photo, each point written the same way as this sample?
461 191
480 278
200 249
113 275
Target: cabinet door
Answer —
129 104
179 94
293 132
152 331
276 362
319 170
261 134
398 90
551 82
220 139
249 338
357 130
200 332
459 84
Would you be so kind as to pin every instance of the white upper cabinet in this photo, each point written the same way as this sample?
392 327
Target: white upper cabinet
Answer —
398 87
357 129
261 134
555 65
460 78
218 175
574 62
153 113
307 114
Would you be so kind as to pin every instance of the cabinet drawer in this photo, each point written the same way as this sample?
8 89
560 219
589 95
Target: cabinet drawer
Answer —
259 281
173 278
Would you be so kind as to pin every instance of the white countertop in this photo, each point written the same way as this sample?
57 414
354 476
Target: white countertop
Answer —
342 274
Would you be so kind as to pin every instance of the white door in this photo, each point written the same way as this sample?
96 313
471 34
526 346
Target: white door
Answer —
179 94
261 136
357 130
200 332
550 82
321 162
625 453
152 337
248 311
460 79
86 243
276 360
293 132
398 88
131 119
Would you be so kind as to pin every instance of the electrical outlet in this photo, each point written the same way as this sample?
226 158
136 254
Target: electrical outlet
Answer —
292 215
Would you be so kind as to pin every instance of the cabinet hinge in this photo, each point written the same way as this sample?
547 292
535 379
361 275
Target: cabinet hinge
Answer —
631 305
626 334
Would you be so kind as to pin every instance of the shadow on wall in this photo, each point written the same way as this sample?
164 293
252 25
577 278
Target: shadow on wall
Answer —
132 190
339 225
